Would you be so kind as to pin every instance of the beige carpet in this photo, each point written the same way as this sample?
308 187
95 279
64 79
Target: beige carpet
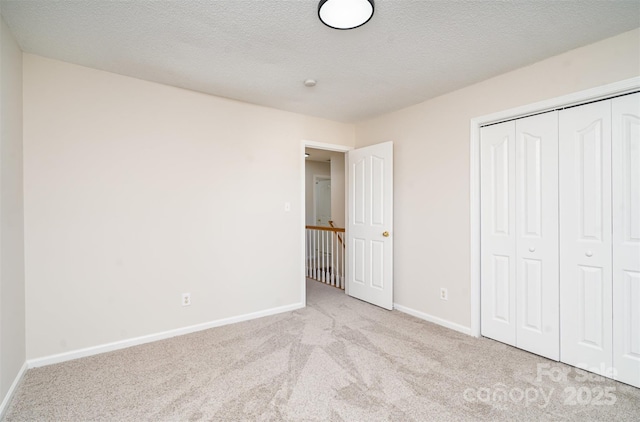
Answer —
339 359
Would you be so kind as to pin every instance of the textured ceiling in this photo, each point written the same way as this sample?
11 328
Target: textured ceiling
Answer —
261 51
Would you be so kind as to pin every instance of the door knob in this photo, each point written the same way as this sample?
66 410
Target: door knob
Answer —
532 249
589 254
385 234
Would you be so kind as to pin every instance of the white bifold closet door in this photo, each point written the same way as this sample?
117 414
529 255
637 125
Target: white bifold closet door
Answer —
537 273
626 238
585 237
519 233
497 233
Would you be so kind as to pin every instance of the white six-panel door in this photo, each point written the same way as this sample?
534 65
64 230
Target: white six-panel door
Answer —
370 227
585 237
519 220
626 238
537 278
497 233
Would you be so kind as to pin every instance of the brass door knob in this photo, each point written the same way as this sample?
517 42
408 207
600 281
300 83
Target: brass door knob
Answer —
385 234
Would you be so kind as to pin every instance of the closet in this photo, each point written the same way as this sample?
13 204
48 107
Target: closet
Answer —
560 235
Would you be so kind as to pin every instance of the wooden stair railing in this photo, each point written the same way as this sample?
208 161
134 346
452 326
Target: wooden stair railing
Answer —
339 238
327 229
325 255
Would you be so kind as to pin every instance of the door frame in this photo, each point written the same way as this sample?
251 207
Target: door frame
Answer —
303 244
594 94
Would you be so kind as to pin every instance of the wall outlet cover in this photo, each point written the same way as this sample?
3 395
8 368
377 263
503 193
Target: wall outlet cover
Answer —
444 294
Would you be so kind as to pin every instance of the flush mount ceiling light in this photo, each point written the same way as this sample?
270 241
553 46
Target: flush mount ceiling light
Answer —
345 14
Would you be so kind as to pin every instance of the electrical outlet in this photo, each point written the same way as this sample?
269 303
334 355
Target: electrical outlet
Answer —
444 294
186 299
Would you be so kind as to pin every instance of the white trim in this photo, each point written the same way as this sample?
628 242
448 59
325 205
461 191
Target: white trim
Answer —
14 386
325 146
95 350
593 94
430 318
474 226
345 256
303 245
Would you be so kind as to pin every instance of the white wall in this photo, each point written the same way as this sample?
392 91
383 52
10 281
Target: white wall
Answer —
431 185
311 169
136 192
12 301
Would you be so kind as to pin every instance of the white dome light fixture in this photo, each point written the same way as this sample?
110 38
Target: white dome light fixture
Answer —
345 14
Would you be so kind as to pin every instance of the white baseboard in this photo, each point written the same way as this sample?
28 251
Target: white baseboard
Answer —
448 324
123 344
12 390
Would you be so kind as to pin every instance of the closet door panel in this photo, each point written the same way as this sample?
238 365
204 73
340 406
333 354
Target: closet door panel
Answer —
585 237
626 238
498 267
537 291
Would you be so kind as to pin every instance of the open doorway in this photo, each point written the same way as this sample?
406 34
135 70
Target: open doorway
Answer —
325 217
333 158
367 234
